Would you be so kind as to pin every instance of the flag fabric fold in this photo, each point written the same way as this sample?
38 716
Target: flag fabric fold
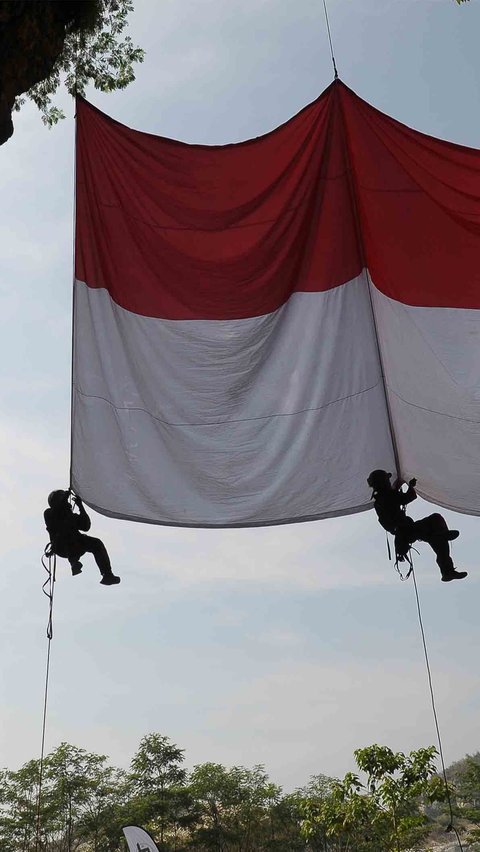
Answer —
258 325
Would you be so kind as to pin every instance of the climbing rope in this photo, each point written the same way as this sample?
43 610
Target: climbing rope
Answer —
335 72
450 826
49 562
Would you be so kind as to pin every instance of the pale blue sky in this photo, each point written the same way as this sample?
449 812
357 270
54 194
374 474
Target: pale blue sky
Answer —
286 646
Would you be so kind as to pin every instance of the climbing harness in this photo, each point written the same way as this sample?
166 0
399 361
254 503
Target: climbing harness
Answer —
402 557
408 559
49 562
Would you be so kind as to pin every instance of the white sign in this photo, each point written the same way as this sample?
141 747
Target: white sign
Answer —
139 840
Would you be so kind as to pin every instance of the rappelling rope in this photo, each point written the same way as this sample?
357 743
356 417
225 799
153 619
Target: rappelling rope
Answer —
335 72
48 589
450 826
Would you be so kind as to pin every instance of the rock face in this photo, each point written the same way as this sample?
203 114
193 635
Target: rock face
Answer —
32 36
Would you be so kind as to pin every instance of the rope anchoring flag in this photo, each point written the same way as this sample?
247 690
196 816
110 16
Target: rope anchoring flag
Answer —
257 326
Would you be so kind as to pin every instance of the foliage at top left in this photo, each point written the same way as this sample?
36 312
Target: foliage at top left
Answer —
77 42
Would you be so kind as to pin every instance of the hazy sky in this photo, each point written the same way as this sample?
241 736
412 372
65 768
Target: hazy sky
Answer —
287 646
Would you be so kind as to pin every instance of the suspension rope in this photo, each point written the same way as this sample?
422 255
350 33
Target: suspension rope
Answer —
335 72
451 826
48 589
74 288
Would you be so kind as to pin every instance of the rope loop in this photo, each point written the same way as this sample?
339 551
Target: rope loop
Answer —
49 562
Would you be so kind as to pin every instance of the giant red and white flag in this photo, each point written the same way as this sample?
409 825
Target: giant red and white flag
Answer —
259 325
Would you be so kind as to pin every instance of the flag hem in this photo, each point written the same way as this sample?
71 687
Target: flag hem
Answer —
363 507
